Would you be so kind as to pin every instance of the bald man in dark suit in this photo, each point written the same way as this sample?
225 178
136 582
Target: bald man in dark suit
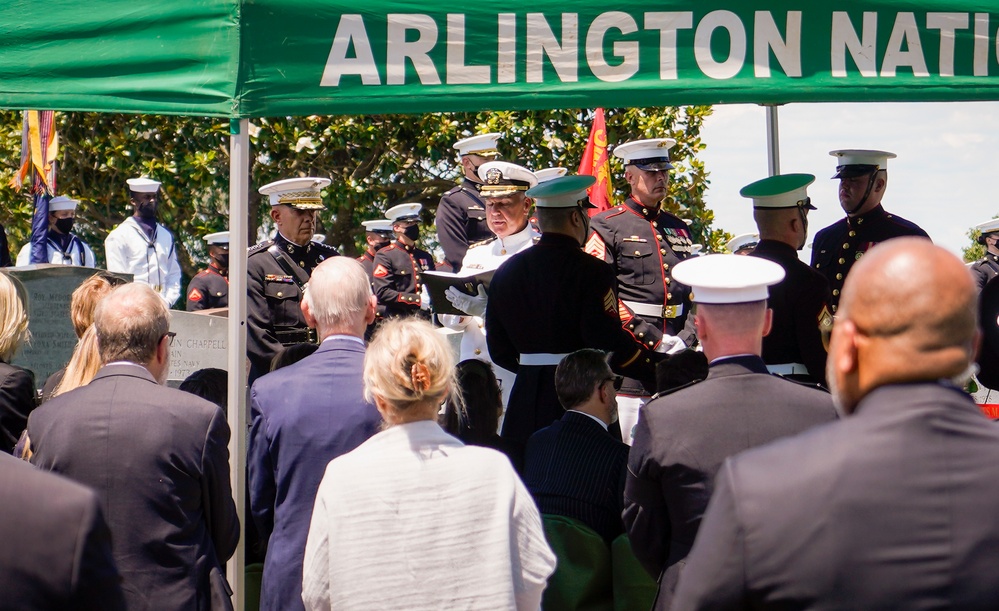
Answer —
893 507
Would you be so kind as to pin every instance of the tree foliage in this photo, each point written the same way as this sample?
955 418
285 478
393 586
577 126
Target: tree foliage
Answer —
374 161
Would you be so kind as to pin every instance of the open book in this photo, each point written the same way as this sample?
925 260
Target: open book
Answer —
466 281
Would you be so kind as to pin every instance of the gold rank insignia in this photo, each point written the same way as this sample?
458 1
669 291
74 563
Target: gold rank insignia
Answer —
825 325
493 176
610 303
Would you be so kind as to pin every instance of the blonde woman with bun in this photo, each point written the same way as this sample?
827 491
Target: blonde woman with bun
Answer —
413 519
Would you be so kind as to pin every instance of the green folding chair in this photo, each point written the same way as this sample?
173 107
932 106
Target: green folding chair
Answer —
251 586
582 579
633 588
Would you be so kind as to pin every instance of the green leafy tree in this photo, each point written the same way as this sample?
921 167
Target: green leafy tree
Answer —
374 161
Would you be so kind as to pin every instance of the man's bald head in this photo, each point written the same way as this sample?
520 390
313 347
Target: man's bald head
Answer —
908 313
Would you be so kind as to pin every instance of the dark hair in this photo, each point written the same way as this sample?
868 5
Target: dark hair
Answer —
292 354
579 374
474 419
210 384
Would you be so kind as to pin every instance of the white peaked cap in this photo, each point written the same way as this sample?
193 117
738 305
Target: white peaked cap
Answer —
550 173
742 241
301 193
143 185
404 212
652 154
222 237
62 202
378 225
483 145
723 279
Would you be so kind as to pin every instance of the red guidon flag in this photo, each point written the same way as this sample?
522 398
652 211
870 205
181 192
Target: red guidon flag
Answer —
596 163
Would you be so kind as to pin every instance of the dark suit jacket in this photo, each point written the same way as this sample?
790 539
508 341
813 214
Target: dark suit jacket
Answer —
682 439
159 461
56 551
895 507
575 468
17 399
303 416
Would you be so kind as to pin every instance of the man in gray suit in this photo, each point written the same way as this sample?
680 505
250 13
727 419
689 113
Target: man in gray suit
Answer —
895 506
682 437
157 458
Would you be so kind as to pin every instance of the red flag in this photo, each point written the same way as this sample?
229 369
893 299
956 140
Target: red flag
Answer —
596 163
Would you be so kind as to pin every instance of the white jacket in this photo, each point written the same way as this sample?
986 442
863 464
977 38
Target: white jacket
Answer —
153 261
57 256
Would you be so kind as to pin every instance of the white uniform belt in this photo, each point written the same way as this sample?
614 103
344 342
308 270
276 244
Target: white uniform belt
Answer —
788 369
540 359
653 310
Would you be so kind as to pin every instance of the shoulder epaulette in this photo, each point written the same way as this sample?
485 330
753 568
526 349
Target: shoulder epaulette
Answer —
261 247
482 242
670 391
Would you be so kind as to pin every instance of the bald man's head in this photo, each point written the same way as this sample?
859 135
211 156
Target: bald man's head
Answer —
908 313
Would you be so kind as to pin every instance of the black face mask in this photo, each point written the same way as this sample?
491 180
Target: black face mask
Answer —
380 245
147 210
412 232
65 225
222 260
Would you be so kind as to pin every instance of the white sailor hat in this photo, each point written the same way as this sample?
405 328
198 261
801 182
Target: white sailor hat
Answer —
782 191
378 226
746 241
990 226
563 192
143 185
550 173
858 162
403 213
483 145
319 237
721 279
500 178
222 237
648 155
301 193
62 202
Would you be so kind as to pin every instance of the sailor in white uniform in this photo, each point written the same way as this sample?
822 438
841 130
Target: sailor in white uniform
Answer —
142 247
64 246
507 213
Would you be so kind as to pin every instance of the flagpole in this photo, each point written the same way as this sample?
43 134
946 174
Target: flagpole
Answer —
773 141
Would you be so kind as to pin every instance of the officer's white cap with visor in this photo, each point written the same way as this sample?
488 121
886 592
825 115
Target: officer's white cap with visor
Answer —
649 155
62 202
728 279
143 185
746 241
502 178
860 162
404 213
549 173
988 227
378 226
563 192
218 238
781 191
483 145
301 193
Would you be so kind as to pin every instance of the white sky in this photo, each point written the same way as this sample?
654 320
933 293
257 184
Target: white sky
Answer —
944 178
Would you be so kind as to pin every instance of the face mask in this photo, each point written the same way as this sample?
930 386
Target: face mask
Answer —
65 225
412 232
147 210
381 245
222 260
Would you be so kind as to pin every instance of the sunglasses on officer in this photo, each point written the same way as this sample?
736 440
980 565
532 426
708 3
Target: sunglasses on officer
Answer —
618 380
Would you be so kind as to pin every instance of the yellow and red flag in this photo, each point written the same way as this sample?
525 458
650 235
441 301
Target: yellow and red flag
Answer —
39 151
596 163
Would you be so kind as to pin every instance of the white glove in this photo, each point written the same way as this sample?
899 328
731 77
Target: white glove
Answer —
469 304
671 344
424 298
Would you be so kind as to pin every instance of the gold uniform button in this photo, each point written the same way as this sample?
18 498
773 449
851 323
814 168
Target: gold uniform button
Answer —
665 266
839 276
662 251
853 234
669 295
641 335
842 261
637 253
835 292
846 245
477 351
280 294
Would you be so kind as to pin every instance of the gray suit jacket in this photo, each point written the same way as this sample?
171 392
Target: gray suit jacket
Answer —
158 459
681 441
56 547
896 507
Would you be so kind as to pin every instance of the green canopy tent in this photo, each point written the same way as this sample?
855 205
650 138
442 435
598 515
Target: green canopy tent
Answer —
237 59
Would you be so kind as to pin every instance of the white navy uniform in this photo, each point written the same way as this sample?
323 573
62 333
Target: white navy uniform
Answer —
486 256
152 261
78 253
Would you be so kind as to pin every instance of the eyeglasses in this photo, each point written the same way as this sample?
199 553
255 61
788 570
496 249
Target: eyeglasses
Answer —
617 380
170 335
